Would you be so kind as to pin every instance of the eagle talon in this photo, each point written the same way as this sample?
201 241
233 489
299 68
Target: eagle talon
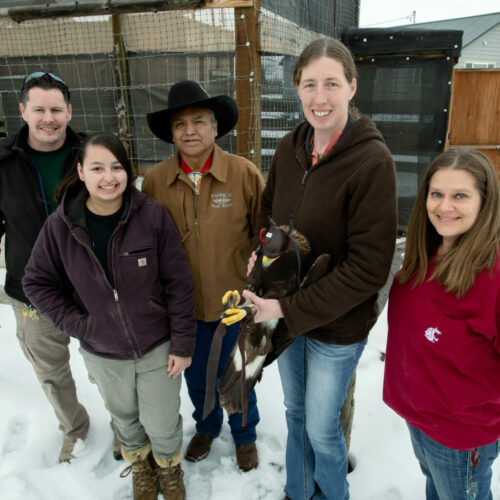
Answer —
233 315
231 299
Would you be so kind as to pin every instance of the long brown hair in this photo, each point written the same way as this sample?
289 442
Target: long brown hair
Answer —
334 49
476 249
72 181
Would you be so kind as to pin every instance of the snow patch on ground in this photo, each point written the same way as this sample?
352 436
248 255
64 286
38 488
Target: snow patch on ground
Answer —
386 468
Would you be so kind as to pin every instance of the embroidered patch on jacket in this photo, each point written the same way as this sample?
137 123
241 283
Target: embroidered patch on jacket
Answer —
142 262
221 200
431 334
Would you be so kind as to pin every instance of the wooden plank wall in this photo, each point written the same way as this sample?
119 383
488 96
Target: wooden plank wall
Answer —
475 112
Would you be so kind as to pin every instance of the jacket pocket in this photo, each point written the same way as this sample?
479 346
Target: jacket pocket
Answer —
136 251
85 327
158 304
138 266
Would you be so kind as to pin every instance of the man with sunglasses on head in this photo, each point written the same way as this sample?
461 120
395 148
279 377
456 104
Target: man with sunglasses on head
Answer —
32 162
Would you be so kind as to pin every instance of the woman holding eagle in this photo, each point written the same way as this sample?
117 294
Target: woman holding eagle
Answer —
334 174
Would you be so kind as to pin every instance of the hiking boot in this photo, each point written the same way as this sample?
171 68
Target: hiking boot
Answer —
172 482
144 478
199 447
247 456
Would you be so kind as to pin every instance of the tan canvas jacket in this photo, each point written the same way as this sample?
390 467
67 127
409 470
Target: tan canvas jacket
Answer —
216 227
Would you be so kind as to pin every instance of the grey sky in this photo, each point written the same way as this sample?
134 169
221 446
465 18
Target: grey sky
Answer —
396 12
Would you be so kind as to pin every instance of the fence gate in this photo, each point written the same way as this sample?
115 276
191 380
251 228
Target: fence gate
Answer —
475 112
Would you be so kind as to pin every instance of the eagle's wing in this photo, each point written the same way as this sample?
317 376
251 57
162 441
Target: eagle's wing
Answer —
262 343
319 268
255 343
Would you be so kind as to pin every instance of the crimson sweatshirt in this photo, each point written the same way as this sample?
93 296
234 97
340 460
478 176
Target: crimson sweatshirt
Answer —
442 371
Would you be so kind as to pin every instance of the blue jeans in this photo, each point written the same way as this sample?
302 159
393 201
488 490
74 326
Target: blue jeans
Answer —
196 384
315 377
454 474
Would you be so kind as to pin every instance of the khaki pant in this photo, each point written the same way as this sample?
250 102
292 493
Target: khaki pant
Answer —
143 400
46 348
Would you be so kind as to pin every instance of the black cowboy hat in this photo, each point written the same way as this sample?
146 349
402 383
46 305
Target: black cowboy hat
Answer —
189 94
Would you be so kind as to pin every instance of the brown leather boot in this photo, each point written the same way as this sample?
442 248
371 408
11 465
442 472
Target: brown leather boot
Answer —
144 478
247 456
172 482
199 447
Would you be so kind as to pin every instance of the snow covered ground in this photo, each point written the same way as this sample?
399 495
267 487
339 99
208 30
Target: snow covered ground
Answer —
30 440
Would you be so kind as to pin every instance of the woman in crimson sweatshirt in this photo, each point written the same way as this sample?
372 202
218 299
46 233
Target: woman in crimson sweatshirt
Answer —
442 371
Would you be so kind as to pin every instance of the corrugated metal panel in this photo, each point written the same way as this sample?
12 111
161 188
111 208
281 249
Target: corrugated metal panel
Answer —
473 26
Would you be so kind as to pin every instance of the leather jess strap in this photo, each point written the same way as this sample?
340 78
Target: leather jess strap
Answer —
212 367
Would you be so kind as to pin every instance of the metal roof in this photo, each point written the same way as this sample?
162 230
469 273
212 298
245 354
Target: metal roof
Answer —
473 26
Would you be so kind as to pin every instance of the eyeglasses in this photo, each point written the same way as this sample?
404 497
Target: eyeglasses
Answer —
39 74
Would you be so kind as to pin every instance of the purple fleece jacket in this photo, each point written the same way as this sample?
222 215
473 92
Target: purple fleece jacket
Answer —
147 297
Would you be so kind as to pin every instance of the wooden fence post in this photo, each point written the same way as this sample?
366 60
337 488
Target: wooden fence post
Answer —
248 89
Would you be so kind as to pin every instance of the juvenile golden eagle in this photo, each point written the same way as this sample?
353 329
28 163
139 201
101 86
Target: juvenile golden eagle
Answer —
284 264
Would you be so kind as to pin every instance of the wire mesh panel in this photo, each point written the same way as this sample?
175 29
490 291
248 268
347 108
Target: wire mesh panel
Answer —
281 110
286 28
121 67
120 71
326 17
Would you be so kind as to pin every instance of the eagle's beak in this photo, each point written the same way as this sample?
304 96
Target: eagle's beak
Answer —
266 261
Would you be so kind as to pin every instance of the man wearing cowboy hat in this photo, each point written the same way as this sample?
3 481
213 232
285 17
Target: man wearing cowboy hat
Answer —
214 198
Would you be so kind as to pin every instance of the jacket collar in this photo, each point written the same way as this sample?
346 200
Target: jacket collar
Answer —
19 140
217 170
309 133
72 207
14 142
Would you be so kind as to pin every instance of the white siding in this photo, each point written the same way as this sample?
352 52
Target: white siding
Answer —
486 48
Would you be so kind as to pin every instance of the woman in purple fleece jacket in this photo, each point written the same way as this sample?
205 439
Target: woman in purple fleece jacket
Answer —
109 269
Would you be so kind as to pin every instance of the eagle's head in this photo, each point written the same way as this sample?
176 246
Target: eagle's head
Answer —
277 240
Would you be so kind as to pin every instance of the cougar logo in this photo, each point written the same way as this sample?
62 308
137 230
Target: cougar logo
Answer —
432 334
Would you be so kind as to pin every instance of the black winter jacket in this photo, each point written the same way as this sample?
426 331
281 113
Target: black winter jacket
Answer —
23 206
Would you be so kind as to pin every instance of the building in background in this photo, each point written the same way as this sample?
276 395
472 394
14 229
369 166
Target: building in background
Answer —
480 41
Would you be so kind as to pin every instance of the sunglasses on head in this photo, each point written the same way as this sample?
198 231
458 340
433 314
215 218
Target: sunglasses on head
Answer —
39 74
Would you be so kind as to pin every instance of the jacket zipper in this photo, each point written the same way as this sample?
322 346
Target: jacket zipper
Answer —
115 292
198 243
301 190
196 227
307 171
196 200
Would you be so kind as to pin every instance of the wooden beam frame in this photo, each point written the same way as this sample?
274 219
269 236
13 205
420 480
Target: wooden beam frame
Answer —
120 74
103 7
247 68
225 4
